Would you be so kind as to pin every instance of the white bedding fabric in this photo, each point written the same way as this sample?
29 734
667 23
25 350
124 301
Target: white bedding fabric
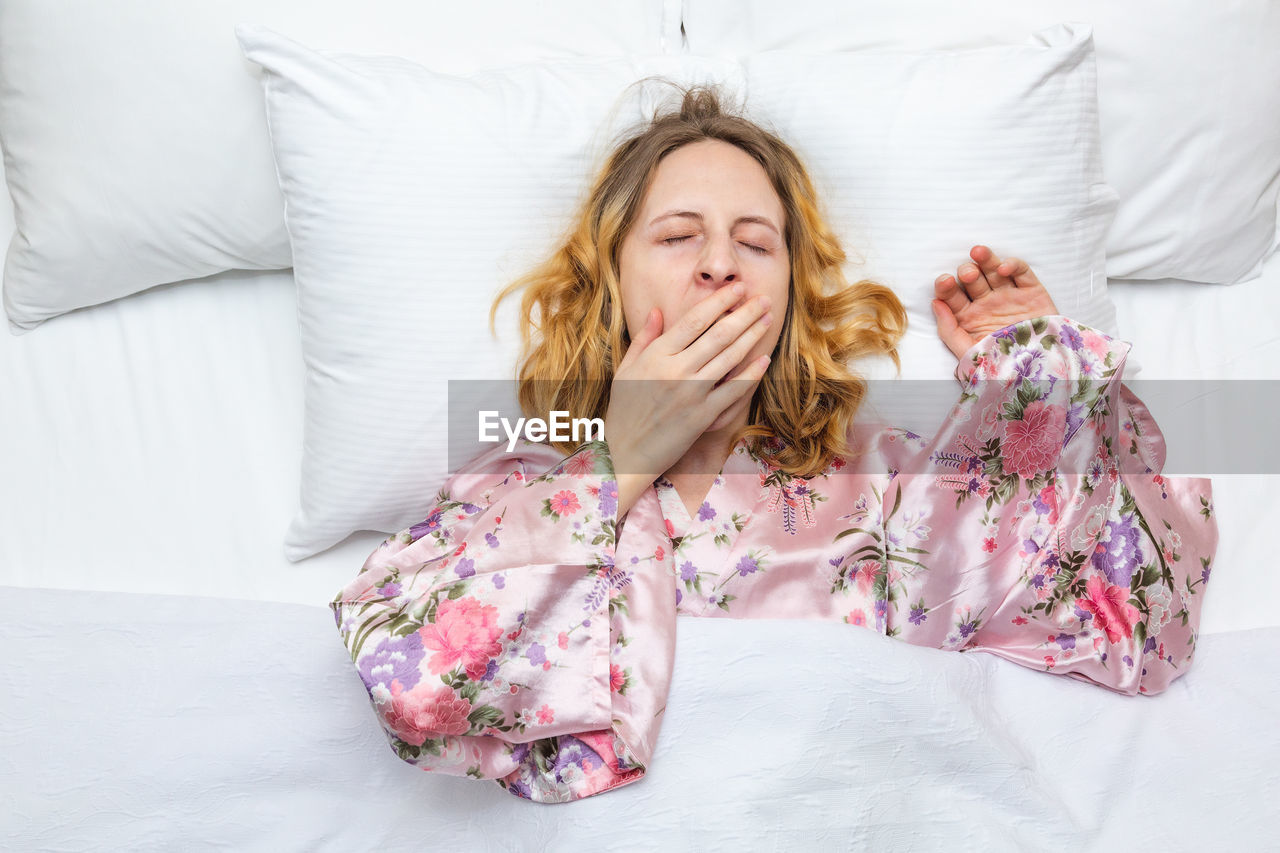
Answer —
242 725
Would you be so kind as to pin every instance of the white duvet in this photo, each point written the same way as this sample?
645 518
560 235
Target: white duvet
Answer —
148 722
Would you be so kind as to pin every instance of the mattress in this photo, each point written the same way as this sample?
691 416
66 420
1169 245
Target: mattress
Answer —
171 680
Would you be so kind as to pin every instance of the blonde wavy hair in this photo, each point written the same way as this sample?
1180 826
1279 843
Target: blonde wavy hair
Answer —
574 334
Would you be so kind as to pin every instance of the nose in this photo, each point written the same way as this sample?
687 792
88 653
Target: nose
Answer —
718 264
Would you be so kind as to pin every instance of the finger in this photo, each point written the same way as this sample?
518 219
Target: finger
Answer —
722 366
723 334
990 264
946 288
732 390
650 332
973 281
956 338
700 317
1021 274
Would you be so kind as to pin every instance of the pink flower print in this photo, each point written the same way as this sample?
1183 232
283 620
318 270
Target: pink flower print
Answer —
659 553
546 715
1032 444
422 713
565 503
617 678
671 530
981 368
856 617
1096 343
864 574
464 630
989 545
1049 498
581 464
1019 620
562 640
1110 607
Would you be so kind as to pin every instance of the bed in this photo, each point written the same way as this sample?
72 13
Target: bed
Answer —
172 679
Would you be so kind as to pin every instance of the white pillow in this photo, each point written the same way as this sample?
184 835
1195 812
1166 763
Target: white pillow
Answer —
1189 96
135 144
921 155
412 197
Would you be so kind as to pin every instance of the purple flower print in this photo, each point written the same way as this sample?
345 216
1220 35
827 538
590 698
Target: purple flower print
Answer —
917 616
1029 365
490 671
1083 615
1066 641
466 568
390 590
1149 645
427 525
499 581
1030 546
537 654
608 497
1075 417
968 628
706 512
747 565
1037 581
688 572
491 540
1119 554
1204 575
679 596
574 752
395 658
1070 337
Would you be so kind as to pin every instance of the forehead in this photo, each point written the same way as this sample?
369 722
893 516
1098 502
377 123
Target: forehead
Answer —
711 171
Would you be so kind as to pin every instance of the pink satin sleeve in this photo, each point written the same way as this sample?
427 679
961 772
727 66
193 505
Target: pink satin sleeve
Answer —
503 638
1057 543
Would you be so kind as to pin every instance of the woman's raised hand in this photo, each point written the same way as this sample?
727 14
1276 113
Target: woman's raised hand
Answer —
990 294
667 390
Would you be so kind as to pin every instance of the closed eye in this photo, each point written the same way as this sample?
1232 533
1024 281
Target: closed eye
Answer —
758 249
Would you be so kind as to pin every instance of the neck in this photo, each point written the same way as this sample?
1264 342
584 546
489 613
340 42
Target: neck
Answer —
709 451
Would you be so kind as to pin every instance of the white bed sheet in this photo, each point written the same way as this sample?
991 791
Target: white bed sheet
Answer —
241 725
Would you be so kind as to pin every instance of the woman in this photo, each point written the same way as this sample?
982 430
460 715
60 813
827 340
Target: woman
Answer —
524 631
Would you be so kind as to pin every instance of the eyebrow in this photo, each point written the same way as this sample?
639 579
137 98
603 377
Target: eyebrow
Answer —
693 214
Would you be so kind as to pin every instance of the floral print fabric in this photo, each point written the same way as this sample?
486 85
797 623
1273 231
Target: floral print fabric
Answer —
520 633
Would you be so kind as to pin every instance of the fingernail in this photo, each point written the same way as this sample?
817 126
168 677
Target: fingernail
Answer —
766 319
738 290
765 302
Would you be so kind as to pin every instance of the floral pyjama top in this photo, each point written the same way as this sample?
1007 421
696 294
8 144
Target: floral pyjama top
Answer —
521 633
